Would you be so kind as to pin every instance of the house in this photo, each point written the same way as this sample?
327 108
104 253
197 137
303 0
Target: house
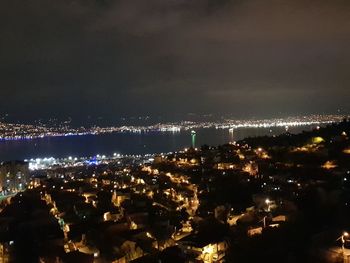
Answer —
255 231
207 248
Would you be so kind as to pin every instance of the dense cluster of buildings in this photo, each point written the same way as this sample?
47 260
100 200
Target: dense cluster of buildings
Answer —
282 199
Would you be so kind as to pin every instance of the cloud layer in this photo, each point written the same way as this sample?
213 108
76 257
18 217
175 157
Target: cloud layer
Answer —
166 57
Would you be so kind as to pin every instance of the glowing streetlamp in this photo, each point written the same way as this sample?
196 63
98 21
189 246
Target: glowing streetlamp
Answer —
267 202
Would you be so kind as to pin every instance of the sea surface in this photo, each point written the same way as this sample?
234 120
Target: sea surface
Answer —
128 143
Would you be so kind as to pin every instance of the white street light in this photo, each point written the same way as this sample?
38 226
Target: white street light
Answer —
267 201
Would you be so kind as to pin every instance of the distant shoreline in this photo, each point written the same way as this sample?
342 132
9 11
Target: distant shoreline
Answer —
18 132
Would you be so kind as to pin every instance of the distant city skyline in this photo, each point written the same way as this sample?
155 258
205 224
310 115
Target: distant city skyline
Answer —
89 120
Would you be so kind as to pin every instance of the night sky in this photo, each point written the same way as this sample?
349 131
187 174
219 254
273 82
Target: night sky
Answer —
169 57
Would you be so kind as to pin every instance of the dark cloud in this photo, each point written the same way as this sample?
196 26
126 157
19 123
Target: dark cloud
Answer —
126 57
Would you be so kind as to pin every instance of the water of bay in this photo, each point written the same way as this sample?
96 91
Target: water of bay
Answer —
128 143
